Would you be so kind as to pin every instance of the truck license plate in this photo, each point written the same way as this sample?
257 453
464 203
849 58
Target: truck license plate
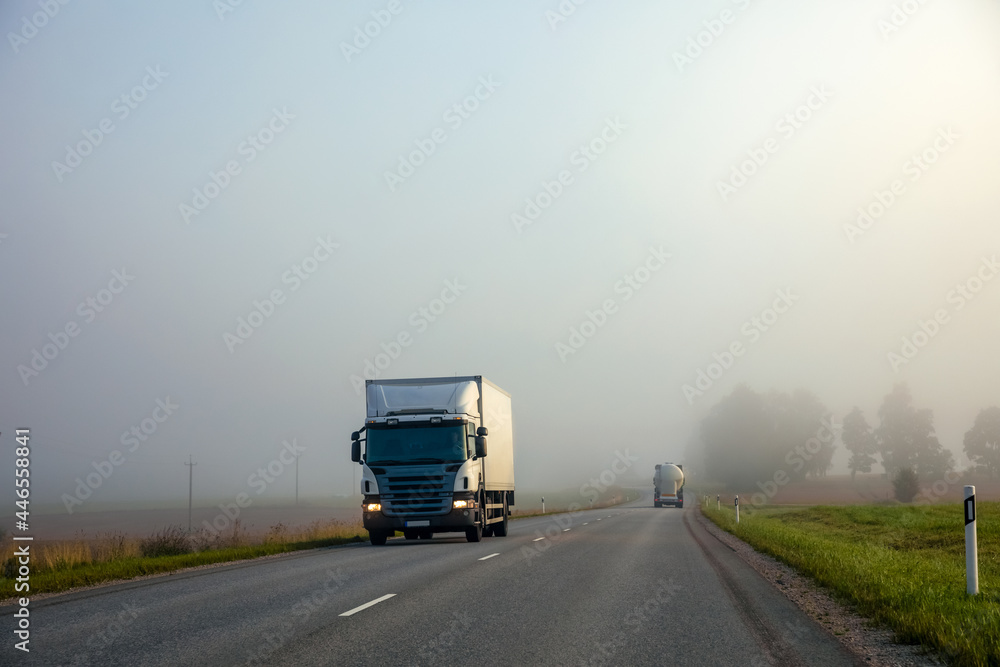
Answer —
417 524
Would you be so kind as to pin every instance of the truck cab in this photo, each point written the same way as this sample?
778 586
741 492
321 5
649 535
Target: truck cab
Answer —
425 467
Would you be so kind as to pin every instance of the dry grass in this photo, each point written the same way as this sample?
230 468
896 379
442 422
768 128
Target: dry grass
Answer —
62 555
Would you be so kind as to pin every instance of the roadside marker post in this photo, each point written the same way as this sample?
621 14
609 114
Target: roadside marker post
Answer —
971 548
718 502
737 503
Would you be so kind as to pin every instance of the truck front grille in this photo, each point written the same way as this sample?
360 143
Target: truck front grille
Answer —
413 495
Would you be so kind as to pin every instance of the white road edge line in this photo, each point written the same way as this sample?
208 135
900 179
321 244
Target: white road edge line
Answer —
537 538
586 524
368 604
490 556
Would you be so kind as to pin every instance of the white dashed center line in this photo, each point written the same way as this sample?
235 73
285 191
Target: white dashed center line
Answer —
368 604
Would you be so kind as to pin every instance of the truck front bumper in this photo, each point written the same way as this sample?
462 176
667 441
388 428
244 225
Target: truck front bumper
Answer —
454 521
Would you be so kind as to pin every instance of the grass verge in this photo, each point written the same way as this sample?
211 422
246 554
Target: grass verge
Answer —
902 566
58 566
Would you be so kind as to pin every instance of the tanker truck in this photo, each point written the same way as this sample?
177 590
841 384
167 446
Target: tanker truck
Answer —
424 463
668 485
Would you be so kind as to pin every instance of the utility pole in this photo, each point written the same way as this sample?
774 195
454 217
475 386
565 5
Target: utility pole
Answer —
190 464
296 480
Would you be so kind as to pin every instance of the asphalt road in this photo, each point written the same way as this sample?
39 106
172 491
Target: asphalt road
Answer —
632 585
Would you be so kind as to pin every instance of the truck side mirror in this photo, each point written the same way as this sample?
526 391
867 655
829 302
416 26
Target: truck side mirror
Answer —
355 435
480 446
356 450
482 431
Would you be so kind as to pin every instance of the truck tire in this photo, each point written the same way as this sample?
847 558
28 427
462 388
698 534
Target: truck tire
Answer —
377 538
475 533
657 504
500 529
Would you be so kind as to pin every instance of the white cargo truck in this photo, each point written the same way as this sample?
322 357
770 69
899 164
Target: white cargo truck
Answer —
425 467
668 485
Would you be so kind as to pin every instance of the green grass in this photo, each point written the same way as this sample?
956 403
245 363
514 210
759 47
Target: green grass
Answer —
902 566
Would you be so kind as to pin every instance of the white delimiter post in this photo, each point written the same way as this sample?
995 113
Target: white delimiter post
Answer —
737 502
971 555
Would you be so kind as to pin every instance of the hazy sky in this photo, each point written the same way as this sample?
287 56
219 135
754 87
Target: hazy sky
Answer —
692 166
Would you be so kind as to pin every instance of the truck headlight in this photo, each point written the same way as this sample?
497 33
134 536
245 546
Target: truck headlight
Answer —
373 507
460 504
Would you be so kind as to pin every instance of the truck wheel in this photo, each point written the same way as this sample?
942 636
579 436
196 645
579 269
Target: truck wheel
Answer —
377 538
657 504
475 533
500 529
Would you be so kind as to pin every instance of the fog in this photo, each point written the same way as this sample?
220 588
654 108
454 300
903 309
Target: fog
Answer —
212 216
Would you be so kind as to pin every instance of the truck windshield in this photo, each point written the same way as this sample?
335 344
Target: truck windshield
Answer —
416 444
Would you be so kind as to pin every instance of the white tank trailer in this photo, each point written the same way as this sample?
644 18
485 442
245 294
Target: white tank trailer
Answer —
668 485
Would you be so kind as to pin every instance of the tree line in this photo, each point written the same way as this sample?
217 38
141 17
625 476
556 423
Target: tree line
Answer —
749 437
